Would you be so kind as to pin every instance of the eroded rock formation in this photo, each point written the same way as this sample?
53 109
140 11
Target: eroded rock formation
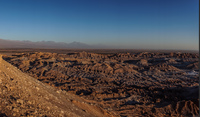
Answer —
139 84
22 95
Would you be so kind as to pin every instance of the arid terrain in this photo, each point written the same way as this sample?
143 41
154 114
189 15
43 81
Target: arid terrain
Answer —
22 95
150 84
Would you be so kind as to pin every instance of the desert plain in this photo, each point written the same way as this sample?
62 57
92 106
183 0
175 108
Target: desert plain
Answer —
125 83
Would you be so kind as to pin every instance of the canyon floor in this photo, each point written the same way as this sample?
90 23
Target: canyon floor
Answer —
101 83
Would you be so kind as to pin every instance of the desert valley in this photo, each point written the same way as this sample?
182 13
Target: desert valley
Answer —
111 82
99 58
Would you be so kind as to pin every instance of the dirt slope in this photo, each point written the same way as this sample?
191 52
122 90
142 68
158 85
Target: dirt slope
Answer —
22 95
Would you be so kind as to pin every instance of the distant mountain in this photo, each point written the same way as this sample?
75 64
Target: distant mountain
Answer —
42 44
79 45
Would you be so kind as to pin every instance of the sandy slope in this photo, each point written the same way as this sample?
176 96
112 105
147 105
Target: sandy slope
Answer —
22 95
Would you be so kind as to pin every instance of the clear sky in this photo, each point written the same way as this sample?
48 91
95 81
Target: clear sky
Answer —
134 24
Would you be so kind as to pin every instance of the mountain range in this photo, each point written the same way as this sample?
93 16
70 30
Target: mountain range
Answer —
47 44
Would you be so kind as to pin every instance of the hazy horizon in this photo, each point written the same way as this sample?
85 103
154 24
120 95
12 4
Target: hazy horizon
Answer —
129 24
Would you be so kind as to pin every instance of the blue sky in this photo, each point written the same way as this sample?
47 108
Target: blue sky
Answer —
134 24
